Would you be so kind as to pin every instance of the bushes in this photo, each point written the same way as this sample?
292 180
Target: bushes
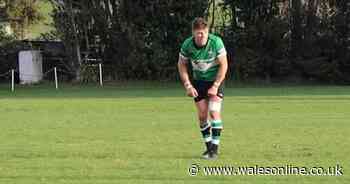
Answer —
268 46
265 39
8 52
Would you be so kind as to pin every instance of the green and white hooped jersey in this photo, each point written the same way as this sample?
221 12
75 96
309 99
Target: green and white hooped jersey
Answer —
203 60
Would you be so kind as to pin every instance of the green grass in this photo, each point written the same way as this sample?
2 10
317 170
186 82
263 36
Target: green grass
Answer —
147 133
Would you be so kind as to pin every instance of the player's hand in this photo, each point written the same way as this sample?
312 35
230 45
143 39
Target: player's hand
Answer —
191 92
213 91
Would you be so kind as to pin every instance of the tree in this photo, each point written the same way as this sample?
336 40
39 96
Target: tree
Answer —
342 31
138 39
272 39
66 24
296 29
21 14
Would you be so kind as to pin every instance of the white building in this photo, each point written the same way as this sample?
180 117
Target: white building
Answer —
30 66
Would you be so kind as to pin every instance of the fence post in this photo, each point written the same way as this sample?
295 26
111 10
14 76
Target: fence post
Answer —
56 82
12 80
101 81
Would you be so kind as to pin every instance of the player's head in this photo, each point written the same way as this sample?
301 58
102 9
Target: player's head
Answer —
200 31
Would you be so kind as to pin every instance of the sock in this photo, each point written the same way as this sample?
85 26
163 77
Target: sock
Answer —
205 130
216 131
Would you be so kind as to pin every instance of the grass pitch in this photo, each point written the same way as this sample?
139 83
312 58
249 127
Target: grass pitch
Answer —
148 133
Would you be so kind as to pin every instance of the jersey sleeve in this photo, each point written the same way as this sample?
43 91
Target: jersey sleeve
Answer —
184 51
220 48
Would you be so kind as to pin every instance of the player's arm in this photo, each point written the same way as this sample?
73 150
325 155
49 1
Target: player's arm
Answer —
222 61
182 67
220 76
183 71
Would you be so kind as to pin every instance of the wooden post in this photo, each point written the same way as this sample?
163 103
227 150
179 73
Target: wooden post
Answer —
12 80
101 80
56 81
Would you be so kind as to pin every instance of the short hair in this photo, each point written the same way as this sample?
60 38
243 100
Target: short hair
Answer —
199 23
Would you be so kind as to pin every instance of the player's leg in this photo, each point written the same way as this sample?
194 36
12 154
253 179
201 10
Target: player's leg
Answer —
205 126
215 103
